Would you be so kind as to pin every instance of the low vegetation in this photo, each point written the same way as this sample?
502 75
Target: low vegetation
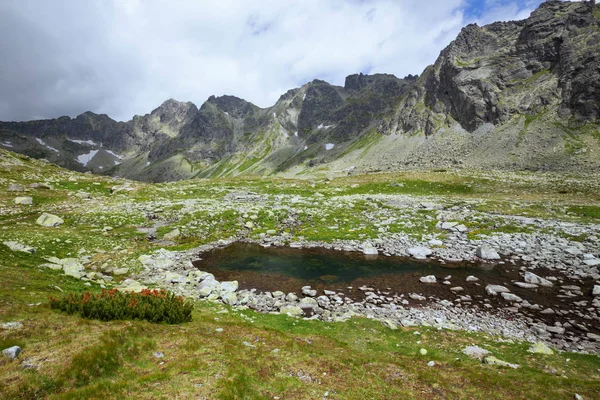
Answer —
149 305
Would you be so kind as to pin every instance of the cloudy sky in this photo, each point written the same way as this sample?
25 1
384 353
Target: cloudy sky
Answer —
125 57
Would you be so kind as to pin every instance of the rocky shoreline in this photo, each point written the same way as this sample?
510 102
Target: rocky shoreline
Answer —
174 271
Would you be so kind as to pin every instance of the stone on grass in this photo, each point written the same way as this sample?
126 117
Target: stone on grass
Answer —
293 311
540 348
431 364
11 325
15 187
427 279
25 200
419 253
16 246
174 234
485 252
121 271
12 352
530 277
73 267
49 220
491 360
423 352
390 324
475 352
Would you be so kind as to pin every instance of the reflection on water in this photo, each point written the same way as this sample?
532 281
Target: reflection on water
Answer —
251 262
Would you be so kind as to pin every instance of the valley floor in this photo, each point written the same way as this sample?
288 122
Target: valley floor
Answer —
115 231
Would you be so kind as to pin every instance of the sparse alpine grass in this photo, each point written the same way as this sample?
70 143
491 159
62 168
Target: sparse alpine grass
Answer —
149 305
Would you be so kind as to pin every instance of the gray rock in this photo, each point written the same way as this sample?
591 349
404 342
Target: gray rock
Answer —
389 324
291 310
12 352
511 297
475 352
11 325
229 298
25 200
49 220
73 267
174 234
472 278
420 253
525 285
596 290
15 187
428 279
485 252
491 360
16 246
307 291
540 348
229 286
493 290
530 277
369 250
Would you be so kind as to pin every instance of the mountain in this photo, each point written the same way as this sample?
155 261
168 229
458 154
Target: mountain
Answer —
509 95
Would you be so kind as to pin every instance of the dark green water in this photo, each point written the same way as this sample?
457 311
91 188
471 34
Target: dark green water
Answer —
284 268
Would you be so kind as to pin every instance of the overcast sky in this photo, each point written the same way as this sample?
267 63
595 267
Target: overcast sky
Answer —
125 57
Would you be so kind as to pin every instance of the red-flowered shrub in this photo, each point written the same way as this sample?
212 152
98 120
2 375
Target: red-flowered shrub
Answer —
149 305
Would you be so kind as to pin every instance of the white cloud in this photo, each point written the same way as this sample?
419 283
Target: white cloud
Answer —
126 57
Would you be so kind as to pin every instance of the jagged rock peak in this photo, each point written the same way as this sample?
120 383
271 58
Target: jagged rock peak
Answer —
233 105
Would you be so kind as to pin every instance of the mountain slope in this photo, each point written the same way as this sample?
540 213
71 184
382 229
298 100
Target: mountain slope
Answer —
516 95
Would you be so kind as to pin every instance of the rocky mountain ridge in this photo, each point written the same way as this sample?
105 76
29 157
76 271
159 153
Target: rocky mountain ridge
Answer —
515 95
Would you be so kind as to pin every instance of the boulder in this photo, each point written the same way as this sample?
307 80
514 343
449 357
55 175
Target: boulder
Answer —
25 200
487 253
472 278
475 352
229 298
15 187
16 246
73 267
511 297
229 286
291 310
491 360
49 220
530 277
596 290
174 234
493 290
12 352
370 250
540 348
419 253
428 279
389 324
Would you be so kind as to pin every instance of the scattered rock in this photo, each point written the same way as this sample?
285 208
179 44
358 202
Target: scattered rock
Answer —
16 246
12 352
419 253
49 220
487 253
423 352
491 360
532 278
428 279
472 278
540 348
25 200
15 187
390 324
511 297
475 352
11 325
493 290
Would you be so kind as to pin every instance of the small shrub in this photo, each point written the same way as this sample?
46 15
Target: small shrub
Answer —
149 305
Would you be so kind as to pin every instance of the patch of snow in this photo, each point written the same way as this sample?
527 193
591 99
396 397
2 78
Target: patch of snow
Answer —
7 144
226 112
320 126
304 97
113 154
285 134
305 147
40 141
329 146
328 126
147 163
88 142
117 162
84 159
100 167
296 133
274 115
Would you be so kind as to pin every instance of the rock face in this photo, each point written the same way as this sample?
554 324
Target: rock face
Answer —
518 94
